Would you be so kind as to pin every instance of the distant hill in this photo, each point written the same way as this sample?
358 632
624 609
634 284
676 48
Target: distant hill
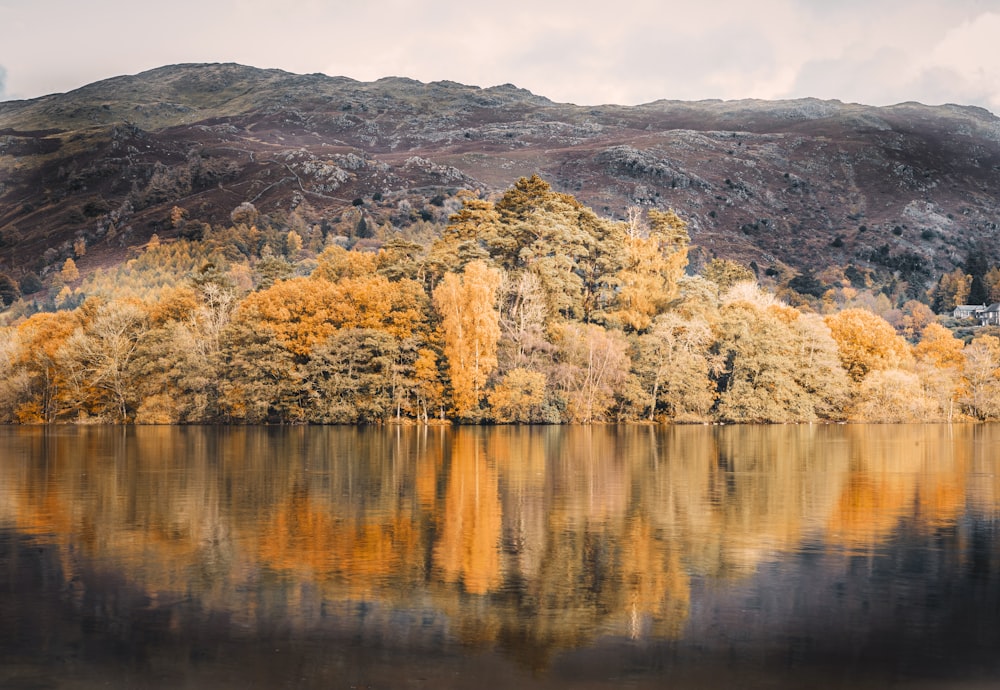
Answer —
908 190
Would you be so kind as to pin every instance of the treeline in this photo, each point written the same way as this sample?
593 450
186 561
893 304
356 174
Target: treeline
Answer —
530 309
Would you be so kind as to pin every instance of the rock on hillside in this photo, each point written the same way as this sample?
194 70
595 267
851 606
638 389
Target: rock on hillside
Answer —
909 189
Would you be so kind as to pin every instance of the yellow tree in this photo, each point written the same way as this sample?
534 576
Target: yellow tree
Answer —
952 289
293 244
519 397
652 265
916 317
11 381
593 364
428 389
776 365
982 377
470 322
69 273
991 283
673 366
99 356
726 273
375 302
305 315
866 342
939 347
37 362
940 362
892 396
297 311
335 263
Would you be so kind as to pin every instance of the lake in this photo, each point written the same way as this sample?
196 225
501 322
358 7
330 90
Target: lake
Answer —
840 556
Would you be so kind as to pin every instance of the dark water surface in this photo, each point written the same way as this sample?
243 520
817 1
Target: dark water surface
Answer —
552 557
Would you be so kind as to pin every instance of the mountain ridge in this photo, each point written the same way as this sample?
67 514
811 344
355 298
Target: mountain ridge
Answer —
798 186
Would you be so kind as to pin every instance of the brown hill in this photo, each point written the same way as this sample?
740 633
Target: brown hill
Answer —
907 189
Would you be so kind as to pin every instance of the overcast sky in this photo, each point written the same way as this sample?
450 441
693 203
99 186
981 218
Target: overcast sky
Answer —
586 52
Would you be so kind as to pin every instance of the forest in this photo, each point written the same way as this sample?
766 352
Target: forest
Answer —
529 308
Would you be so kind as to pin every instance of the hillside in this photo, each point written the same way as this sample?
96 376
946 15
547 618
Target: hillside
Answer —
908 191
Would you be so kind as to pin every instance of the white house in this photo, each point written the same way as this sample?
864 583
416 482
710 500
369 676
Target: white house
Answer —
967 311
990 316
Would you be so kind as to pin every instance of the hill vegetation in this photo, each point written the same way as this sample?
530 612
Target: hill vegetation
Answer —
806 191
530 308
216 243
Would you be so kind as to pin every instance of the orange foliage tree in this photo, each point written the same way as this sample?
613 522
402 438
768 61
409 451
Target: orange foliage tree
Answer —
866 342
470 322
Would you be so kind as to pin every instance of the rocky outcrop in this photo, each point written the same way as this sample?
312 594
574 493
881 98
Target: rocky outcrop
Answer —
804 183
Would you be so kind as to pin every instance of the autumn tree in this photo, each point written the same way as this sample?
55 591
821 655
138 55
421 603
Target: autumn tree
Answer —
69 273
952 289
37 364
726 273
592 363
12 381
296 312
519 398
178 362
775 366
991 283
470 236
466 304
245 214
524 342
98 359
866 342
353 376
572 251
428 387
335 263
293 244
373 301
674 367
892 396
177 217
940 361
261 380
915 317
817 365
982 378
652 261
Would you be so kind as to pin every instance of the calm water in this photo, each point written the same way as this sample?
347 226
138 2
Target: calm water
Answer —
729 557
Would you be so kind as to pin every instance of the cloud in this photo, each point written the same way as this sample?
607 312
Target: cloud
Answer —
955 64
963 65
581 51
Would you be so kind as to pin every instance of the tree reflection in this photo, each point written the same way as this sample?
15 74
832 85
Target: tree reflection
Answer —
533 540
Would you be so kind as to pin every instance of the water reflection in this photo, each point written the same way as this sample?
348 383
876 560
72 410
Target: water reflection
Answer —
525 544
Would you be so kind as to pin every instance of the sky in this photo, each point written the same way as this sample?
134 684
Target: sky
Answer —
876 52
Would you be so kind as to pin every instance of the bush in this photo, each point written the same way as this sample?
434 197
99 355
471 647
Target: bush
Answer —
806 284
9 291
30 284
